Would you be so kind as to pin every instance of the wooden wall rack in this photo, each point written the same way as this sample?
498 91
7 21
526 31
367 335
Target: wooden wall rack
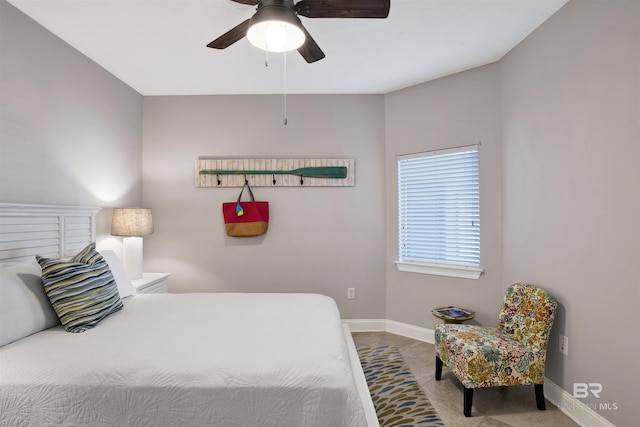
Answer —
274 172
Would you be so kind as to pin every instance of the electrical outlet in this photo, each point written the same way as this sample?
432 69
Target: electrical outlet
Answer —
351 293
564 345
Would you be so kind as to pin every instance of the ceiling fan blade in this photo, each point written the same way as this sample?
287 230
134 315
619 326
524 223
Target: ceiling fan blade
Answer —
310 50
231 36
249 2
343 8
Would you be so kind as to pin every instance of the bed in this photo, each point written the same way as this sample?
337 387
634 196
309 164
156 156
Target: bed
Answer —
225 359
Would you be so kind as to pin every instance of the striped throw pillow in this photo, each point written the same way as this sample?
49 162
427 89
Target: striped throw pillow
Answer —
82 290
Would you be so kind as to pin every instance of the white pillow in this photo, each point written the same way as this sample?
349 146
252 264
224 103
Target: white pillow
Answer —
24 306
125 288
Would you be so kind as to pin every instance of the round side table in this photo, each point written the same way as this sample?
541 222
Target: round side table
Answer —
453 314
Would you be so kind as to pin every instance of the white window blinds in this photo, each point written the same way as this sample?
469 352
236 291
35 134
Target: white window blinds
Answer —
439 207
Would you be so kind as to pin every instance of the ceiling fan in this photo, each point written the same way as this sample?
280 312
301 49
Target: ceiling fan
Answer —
279 19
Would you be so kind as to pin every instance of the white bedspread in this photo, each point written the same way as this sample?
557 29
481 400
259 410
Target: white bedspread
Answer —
188 359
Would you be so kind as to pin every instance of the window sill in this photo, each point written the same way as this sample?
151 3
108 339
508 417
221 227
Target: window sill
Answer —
439 269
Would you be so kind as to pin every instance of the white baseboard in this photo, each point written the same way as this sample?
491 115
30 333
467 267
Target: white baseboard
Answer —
385 325
366 325
410 331
579 412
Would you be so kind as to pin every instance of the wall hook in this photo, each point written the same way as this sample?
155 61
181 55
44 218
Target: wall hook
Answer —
274 179
218 178
246 180
301 180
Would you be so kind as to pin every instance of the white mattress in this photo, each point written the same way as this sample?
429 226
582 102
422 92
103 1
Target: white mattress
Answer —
189 359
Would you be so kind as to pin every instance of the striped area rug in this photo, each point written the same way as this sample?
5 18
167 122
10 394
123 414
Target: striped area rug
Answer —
398 398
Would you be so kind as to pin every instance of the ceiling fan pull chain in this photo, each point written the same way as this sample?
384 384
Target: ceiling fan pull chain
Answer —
285 89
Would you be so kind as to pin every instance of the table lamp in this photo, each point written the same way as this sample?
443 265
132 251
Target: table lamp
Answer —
133 224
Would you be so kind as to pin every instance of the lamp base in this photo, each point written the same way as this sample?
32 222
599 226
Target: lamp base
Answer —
132 256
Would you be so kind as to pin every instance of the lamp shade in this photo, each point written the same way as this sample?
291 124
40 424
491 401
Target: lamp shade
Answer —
275 28
131 222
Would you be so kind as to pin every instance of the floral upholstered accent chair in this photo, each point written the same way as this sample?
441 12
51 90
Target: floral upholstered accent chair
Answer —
514 353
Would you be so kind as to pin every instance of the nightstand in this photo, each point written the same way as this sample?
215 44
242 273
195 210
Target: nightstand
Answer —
152 283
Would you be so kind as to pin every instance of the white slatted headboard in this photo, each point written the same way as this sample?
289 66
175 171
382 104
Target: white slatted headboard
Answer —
47 230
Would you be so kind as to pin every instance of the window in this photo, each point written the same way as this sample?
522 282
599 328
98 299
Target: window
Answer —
439 212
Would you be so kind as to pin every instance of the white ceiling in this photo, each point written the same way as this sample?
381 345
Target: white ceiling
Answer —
158 47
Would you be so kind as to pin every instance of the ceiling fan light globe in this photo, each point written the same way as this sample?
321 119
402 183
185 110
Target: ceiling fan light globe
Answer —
275 36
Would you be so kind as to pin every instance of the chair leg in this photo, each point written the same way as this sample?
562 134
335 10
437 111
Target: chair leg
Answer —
468 399
540 396
438 368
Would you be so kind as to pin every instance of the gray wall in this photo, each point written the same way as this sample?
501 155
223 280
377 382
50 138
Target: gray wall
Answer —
462 109
70 132
571 119
320 239
558 118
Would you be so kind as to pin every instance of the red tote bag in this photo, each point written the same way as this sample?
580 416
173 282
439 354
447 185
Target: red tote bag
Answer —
246 219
